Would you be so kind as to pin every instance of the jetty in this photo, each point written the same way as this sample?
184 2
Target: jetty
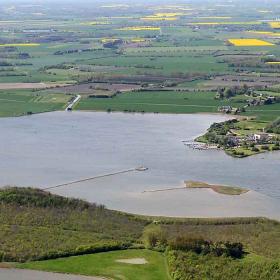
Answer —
199 146
140 168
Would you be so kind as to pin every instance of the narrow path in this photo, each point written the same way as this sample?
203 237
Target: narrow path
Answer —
71 105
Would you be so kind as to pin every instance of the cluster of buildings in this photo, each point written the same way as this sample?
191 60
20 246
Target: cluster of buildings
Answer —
256 138
251 102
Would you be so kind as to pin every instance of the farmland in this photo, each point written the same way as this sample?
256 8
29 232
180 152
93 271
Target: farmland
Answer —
22 102
249 42
142 59
150 47
158 101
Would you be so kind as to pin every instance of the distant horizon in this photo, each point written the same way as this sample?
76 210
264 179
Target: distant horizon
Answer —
266 2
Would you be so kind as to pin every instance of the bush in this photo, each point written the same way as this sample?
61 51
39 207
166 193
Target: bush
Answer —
265 147
234 250
186 243
190 266
86 249
255 149
155 238
275 148
274 127
201 246
238 153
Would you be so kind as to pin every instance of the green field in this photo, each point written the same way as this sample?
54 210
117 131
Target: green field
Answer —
265 113
180 264
107 265
158 101
70 49
22 102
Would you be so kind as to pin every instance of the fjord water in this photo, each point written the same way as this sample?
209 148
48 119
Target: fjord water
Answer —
53 148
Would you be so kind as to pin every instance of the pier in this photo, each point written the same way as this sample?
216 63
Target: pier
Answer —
199 146
140 168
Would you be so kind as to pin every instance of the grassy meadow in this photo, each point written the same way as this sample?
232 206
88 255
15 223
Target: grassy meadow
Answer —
107 265
23 102
158 101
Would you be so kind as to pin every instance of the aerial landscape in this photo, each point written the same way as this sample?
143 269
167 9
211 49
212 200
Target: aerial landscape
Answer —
140 141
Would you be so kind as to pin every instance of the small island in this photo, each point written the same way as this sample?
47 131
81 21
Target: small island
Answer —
221 189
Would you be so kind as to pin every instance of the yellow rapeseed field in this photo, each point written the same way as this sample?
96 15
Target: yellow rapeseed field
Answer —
162 17
249 43
215 17
138 40
273 62
168 14
261 32
268 33
275 24
108 40
154 18
140 28
96 23
20 45
227 23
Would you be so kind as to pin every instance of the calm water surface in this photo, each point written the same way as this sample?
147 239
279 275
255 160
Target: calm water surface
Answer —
49 149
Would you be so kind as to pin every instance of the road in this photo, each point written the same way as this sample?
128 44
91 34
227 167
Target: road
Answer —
22 274
70 106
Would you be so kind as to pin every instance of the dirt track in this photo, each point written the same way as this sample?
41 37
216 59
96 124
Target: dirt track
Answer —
28 85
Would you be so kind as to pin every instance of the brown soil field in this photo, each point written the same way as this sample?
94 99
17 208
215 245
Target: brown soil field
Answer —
90 88
237 80
4 86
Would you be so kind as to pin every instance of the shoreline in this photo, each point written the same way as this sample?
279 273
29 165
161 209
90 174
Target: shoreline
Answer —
114 112
194 203
229 117
191 203
207 217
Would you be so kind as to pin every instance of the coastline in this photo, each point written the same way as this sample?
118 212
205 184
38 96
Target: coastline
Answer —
124 195
207 204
